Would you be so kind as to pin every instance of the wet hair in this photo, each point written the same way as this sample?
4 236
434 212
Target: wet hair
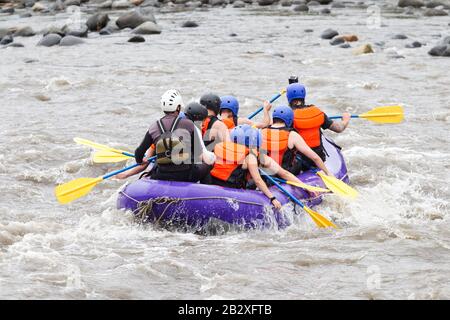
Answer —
302 103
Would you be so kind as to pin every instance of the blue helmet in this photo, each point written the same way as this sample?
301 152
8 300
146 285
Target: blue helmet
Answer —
295 91
246 135
230 103
284 113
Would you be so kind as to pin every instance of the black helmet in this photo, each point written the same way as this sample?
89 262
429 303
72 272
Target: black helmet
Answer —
195 111
211 102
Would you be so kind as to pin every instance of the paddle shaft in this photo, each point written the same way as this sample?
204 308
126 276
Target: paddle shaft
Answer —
340 117
109 175
290 195
254 114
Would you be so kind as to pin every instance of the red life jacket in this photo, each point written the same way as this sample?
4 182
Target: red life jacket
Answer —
206 129
230 122
307 122
230 157
275 142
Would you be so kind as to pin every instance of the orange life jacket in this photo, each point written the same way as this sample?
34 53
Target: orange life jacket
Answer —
307 122
230 157
230 122
275 142
206 127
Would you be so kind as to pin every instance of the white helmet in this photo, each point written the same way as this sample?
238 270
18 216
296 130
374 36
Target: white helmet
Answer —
170 101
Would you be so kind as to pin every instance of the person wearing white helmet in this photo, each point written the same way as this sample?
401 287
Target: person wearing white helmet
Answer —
174 141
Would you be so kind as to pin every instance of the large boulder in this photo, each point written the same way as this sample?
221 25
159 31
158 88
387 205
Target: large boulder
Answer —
329 34
121 4
301 8
148 27
364 49
136 39
70 41
442 49
435 13
24 32
238 4
134 19
80 33
50 40
266 2
6 40
97 22
410 3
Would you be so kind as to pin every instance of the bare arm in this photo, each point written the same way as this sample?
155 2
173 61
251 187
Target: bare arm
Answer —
124 175
342 125
301 146
252 166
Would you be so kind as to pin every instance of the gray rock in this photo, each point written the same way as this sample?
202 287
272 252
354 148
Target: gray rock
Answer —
266 2
97 22
438 50
435 13
70 41
15 45
325 11
58 6
313 3
6 40
136 39
53 29
338 5
337 40
308 30
106 31
399 37
410 3
286 3
301 8
189 24
298 2
25 15
134 19
50 40
29 3
239 4
446 52
106 4
446 40
415 44
80 33
121 4
24 32
329 34
72 3
438 3
233 35
8 10
147 28
217 3
345 46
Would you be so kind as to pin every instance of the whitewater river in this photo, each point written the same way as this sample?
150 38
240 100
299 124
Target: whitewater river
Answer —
395 238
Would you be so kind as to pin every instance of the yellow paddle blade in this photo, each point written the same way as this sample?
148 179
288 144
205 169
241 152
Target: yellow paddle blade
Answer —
338 186
109 157
307 187
75 189
389 114
96 145
320 220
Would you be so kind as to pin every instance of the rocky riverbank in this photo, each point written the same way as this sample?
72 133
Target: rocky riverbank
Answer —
106 17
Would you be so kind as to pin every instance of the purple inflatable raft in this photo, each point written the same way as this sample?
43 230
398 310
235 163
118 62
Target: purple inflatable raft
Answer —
195 205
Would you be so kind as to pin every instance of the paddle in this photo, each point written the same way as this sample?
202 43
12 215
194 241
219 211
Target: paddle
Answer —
275 97
301 185
109 157
320 220
334 184
101 146
388 114
78 188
